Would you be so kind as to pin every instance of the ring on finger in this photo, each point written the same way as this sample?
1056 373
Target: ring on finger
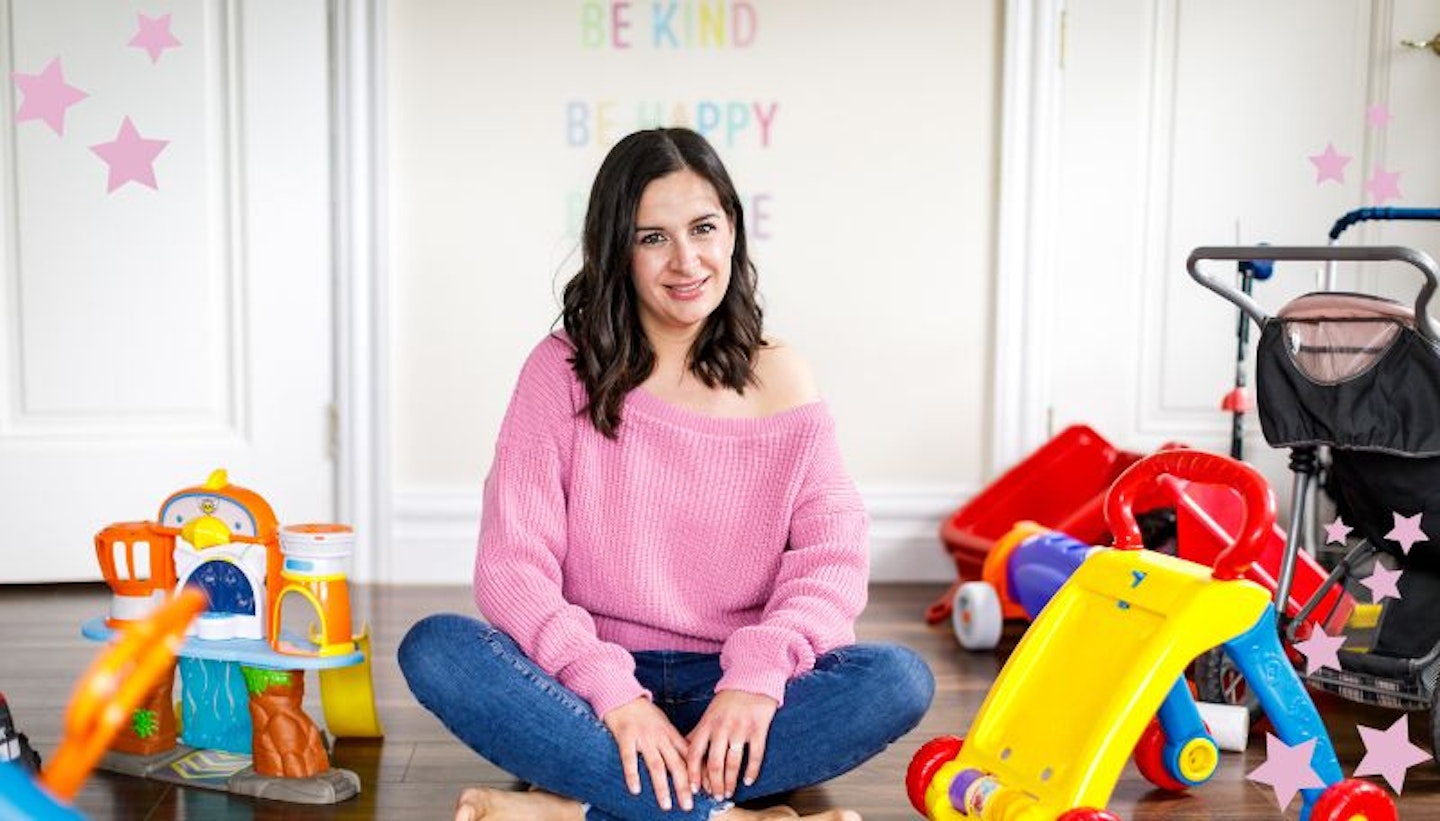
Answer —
737 746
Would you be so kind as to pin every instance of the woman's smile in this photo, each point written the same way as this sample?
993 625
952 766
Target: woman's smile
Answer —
680 257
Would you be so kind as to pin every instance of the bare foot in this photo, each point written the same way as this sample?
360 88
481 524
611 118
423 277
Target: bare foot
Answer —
486 804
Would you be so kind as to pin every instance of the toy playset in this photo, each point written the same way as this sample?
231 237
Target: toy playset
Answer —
1098 676
242 727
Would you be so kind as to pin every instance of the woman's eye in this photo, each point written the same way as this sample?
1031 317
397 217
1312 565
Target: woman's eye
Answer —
704 228
652 239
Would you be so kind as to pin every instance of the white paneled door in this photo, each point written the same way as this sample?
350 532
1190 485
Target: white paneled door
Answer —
1183 123
165 265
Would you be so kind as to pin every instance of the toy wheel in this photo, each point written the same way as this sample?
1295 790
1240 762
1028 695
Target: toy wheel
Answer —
1150 759
1219 681
929 758
1088 814
1354 800
977 616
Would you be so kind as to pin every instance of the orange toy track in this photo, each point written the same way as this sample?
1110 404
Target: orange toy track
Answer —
114 684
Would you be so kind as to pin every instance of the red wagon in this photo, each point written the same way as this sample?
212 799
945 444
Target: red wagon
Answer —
1060 486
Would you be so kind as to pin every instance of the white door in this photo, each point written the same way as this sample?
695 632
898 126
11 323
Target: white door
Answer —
1183 123
165 265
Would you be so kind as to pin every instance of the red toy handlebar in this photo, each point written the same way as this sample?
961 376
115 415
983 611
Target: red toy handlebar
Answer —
1205 468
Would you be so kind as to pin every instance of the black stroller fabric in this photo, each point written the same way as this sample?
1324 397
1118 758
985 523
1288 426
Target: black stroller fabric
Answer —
1392 406
1362 381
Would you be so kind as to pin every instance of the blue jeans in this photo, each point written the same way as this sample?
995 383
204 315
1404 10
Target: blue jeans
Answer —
857 700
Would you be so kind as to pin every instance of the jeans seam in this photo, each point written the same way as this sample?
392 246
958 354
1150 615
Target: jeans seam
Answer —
547 685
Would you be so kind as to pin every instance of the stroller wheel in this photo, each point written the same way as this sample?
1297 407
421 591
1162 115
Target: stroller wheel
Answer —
1219 681
977 616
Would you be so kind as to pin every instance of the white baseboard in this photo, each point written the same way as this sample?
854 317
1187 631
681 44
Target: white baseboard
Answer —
435 531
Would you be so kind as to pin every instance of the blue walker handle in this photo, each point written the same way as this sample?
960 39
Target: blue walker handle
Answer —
1388 214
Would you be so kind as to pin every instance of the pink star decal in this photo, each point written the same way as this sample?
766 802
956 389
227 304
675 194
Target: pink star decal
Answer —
1383 584
1287 769
1378 115
154 36
47 96
1320 650
1389 753
1384 185
1329 164
130 157
1407 532
1337 531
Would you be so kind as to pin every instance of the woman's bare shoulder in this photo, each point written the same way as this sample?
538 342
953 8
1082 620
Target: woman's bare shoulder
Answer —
783 378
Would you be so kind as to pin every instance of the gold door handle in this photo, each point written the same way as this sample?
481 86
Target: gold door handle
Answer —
1433 43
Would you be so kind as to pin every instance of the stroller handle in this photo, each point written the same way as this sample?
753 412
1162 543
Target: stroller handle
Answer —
1204 468
1306 253
1383 214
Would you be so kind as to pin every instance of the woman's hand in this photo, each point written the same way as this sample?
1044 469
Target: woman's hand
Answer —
733 721
641 729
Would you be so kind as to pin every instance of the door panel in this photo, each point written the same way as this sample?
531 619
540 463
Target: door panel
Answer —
1190 122
150 334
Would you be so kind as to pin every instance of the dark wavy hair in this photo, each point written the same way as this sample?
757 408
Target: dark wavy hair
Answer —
612 354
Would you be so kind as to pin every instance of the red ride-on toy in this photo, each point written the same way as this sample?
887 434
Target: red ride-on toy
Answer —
1061 486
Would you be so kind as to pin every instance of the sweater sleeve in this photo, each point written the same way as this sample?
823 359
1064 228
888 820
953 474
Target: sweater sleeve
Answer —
821 586
523 540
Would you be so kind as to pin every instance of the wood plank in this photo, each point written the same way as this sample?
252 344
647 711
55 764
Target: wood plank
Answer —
417 770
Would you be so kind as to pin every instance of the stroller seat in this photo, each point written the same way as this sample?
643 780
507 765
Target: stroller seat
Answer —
1352 373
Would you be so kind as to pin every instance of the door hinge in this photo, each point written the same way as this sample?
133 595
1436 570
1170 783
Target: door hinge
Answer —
1064 19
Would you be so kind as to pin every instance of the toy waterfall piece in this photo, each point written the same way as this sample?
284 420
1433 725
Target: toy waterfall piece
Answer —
1360 376
105 697
242 674
1099 675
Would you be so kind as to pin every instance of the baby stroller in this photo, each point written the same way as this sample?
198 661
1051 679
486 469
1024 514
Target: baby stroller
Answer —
1359 376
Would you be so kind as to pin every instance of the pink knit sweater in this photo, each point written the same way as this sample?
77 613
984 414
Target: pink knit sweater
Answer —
744 537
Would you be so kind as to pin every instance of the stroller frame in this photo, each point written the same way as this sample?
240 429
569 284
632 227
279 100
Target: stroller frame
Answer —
1409 683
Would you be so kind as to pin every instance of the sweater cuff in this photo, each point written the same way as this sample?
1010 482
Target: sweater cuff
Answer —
606 692
761 682
762 659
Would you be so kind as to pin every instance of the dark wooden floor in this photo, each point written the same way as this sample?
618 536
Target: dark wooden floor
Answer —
418 769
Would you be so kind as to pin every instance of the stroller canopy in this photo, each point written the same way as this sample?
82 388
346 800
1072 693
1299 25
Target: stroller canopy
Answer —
1349 371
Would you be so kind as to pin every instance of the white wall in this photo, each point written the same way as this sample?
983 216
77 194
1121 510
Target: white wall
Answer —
870 187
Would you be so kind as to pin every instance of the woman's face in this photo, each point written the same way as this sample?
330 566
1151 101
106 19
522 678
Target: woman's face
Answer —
680 254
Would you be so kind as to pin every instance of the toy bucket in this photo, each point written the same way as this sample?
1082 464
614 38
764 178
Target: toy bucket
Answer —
320 542
315 556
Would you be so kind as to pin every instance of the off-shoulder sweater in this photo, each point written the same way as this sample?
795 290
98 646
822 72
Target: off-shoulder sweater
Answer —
743 537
